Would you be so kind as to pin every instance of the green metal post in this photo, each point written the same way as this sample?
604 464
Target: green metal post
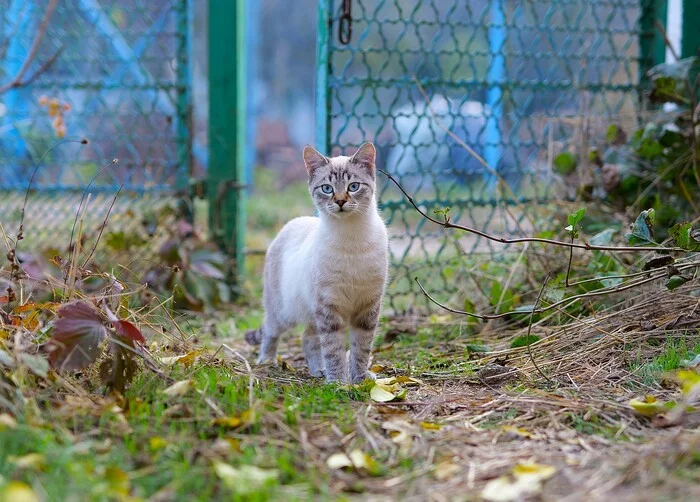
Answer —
226 127
651 41
690 41
323 103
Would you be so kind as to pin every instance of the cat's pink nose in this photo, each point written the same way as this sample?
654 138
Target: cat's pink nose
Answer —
340 203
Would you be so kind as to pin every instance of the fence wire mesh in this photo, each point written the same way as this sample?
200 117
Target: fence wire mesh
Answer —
518 82
111 71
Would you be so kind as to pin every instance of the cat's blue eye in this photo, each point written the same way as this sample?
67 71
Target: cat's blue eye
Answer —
353 187
327 189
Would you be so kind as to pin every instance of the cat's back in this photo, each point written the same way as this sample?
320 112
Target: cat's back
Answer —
295 232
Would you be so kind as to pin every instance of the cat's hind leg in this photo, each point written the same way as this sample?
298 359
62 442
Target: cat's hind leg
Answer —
270 333
311 343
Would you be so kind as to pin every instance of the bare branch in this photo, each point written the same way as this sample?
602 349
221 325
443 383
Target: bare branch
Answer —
17 80
590 247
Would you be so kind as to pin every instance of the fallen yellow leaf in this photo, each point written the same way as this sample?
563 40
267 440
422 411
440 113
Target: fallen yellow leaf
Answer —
528 478
650 407
179 388
227 422
16 491
445 470
157 443
33 461
338 461
380 394
7 421
430 426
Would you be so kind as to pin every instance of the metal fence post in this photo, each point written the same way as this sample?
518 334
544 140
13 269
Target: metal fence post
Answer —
690 41
652 47
323 103
225 176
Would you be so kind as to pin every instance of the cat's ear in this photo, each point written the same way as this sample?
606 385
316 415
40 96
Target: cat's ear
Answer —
313 159
365 156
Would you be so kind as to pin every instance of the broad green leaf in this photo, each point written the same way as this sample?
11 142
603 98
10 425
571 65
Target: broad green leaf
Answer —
564 163
523 341
676 281
575 218
642 229
475 347
685 237
603 238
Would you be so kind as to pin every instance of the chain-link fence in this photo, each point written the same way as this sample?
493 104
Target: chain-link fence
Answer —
518 82
112 72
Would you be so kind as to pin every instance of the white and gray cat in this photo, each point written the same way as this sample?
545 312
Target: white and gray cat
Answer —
329 272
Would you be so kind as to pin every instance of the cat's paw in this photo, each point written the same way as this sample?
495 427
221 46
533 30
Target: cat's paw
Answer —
317 373
363 377
253 336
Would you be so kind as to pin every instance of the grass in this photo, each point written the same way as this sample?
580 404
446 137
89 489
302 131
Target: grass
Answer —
168 444
674 351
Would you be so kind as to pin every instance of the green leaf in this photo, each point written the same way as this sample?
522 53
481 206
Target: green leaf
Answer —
612 133
676 281
684 236
475 347
469 305
603 238
564 163
545 234
650 149
523 341
642 229
575 218
507 301
676 71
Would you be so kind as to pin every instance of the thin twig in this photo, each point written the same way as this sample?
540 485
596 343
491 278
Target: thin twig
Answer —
590 247
102 228
17 80
529 329
600 292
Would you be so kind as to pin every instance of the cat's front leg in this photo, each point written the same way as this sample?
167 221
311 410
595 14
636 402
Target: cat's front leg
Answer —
331 329
311 343
362 330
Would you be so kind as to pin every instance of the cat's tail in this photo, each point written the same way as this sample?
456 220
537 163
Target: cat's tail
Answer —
254 336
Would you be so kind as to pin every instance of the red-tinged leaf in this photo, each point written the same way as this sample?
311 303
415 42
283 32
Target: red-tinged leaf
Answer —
4 299
127 330
78 333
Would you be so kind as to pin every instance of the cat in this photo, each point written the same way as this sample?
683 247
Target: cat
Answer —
329 272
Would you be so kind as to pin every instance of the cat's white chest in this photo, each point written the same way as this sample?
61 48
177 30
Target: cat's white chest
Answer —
353 273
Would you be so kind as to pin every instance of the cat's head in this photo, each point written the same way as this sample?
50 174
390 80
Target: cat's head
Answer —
341 186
